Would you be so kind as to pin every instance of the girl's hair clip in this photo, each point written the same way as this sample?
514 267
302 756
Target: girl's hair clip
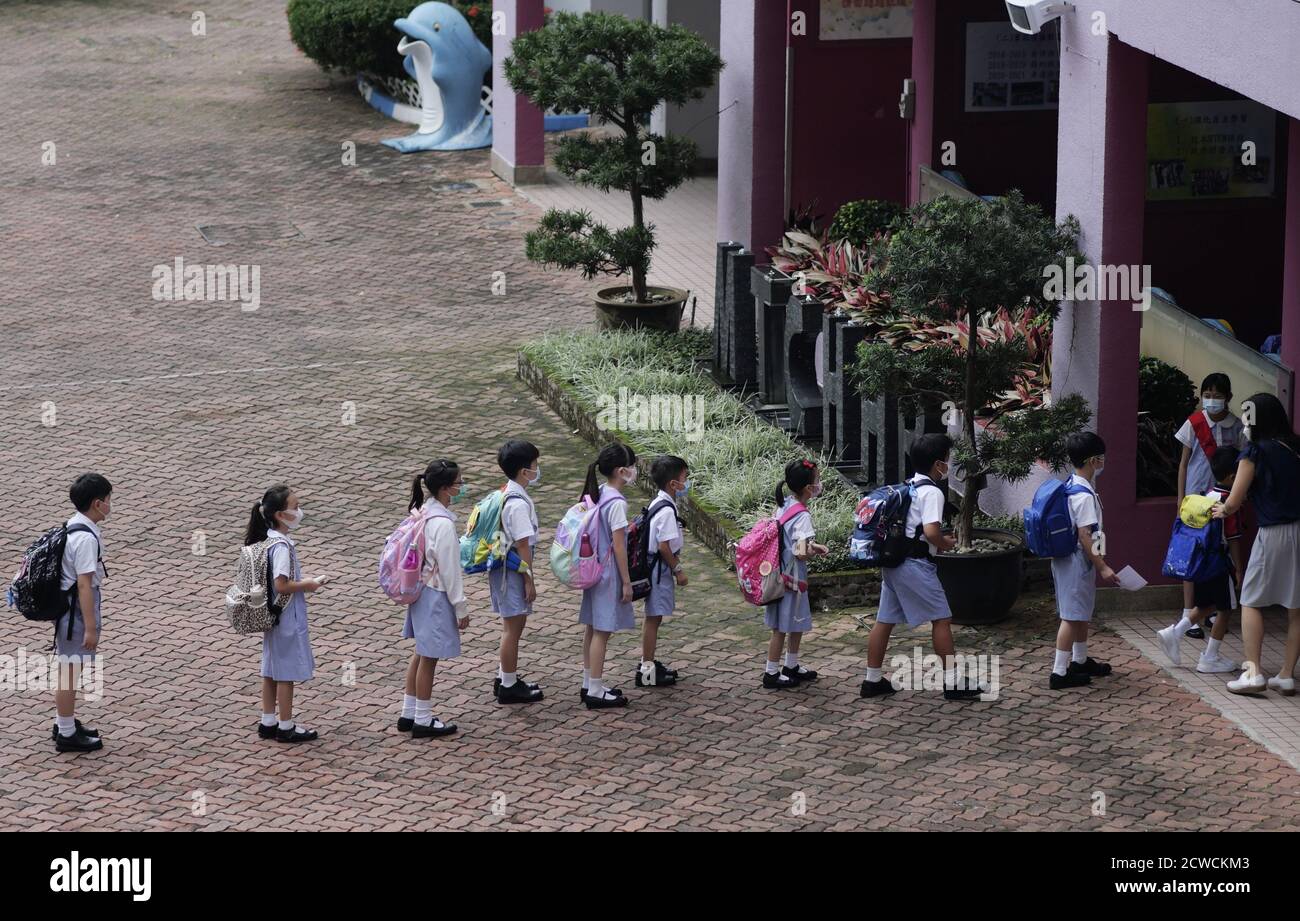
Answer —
809 464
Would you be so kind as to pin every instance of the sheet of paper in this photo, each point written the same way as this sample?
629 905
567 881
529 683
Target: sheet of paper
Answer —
1130 580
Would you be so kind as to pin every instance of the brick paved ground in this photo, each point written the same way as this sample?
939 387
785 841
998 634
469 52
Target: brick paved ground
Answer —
383 303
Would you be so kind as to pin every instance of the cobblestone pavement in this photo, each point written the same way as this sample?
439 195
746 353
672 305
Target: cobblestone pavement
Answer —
379 307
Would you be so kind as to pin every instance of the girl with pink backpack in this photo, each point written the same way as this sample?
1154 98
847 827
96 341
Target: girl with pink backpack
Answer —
438 614
791 614
607 605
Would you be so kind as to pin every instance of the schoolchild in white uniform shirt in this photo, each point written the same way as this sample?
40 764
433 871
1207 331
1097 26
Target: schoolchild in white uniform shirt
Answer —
513 592
1210 427
436 620
286 648
75 637
910 593
607 605
672 476
791 615
1075 576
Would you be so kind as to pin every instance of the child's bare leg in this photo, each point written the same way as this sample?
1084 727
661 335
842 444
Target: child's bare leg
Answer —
512 628
877 644
284 696
795 640
775 645
412 668
941 636
268 695
650 637
1189 595
596 655
1065 636
65 689
424 678
1252 635
1220 624
1292 643
586 647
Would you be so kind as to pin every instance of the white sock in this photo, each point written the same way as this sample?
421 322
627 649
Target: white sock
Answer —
67 725
950 678
874 674
508 679
647 668
772 668
268 719
423 712
792 660
499 671
1081 652
595 687
287 725
1211 648
408 706
1185 623
1062 662
586 679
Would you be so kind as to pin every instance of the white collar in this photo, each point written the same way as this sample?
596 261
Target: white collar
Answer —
273 532
663 494
1082 481
435 504
79 518
513 488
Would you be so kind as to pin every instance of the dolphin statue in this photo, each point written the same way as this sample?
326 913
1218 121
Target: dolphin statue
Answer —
448 62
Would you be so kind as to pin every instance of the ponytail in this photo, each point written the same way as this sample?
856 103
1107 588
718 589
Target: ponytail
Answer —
417 494
262 518
591 487
610 458
438 475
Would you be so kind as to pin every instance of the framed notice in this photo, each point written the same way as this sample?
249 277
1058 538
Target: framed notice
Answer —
859 19
1009 71
1197 150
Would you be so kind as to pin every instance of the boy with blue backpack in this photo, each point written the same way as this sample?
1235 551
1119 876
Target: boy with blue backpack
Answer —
910 591
1217 592
1065 523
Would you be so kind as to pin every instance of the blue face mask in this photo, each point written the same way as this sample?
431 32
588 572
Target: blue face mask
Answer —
681 493
461 494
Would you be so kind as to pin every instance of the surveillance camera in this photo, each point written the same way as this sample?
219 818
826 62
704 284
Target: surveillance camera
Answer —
1029 16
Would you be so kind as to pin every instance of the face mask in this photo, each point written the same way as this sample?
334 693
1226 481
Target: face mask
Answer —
629 475
462 493
537 479
946 469
681 493
293 519
1213 407
816 490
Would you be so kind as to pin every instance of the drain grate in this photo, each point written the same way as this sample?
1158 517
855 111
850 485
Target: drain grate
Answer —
227 234
454 186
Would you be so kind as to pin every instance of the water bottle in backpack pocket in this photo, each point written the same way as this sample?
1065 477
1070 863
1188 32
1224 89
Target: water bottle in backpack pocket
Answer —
252 606
402 570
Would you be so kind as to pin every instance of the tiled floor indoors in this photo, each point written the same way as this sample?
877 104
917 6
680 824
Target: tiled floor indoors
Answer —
1270 719
686 222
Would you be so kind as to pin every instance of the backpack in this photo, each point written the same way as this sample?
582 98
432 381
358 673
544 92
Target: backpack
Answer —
1196 554
251 605
642 559
36 590
758 559
1049 528
401 564
573 554
484 546
1195 510
880 535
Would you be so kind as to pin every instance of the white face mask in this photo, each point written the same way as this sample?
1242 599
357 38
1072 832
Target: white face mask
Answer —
292 518
816 490
1214 407
538 478
629 475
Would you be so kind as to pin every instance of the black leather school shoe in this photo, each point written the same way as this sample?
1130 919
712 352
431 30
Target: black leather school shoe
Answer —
433 730
79 741
605 703
1069 680
779 680
521 692
267 732
876 688
662 676
1090 667
54 732
799 672
296 735
496 685
405 724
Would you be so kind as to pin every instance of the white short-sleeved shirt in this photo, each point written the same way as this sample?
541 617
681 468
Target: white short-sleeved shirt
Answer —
926 508
519 518
615 512
81 554
800 527
442 548
1085 508
281 558
664 526
1227 431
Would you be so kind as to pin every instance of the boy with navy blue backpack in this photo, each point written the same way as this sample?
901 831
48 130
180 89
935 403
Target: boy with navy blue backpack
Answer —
1075 576
911 593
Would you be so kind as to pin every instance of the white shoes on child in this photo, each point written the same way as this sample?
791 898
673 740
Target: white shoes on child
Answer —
1252 682
1284 686
1215 664
1169 639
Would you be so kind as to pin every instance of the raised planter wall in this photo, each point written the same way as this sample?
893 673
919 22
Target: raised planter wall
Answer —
735 338
803 323
841 403
771 289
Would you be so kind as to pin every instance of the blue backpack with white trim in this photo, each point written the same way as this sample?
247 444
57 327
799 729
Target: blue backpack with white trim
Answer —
1050 532
1196 554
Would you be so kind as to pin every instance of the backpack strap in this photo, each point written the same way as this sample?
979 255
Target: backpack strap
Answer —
1201 428
650 513
911 489
74 601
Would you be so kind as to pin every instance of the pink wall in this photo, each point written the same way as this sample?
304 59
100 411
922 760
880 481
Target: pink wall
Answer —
517 130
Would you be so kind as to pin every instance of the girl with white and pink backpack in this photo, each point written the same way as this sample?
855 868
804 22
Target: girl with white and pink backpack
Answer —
791 614
420 567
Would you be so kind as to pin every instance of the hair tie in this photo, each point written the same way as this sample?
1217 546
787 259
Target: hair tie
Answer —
809 464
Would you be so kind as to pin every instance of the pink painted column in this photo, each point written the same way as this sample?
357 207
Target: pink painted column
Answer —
518 139
921 132
1291 265
751 127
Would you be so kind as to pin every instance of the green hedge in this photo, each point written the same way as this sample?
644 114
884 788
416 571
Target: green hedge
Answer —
357 36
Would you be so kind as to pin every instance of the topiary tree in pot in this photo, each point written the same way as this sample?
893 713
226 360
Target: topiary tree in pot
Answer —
954 266
619 70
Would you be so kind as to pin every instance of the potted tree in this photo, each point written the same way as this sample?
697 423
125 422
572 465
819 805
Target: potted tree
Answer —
969 277
619 70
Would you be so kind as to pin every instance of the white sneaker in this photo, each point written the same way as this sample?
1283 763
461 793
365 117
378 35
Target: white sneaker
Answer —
1169 638
1215 664
1285 686
1250 682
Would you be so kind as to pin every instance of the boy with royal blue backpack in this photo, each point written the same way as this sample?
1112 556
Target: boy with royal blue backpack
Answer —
910 592
1218 592
1077 528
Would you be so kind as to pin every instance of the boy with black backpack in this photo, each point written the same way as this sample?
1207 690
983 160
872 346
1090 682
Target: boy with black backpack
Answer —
76 636
658 561
910 592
